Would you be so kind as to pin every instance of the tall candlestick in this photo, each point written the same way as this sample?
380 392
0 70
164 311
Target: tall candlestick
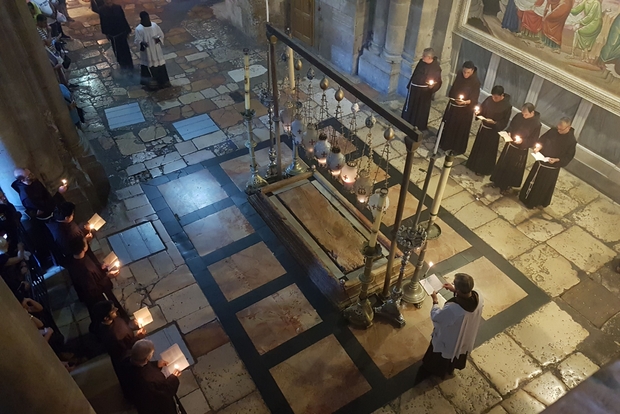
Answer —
267 9
246 67
438 138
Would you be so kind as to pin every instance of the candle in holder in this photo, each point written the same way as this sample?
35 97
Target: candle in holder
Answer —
430 264
246 66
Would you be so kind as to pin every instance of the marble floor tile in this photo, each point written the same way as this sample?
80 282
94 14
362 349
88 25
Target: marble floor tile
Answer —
238 169
567 181
522 403
277 318
183 302
512 210
504 238
475 214
206 338
593 301
411 204
469 391
583 250
561 205
458 201
320 379
143 272
504 363
195 403
539 229
218 230
250 404
162 263
498 409
176 280
584 193
447 245
192 192
601 219
245 271
576 368
478 186
548 269
549 334
393 350
487 280
195 319
187 383
452 187
223 377
546 388
423 399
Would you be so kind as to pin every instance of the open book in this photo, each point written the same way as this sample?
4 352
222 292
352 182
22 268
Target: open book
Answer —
539 157
143 316
431 284
95 222
175 359
111 260
506 136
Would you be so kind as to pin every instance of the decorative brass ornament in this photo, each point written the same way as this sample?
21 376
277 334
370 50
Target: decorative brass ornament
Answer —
298 64
389 134
339 95
324 84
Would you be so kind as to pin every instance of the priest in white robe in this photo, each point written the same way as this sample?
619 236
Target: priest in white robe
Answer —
455 328
149 37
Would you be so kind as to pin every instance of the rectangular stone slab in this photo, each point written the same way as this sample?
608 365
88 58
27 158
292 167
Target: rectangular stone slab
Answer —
330 229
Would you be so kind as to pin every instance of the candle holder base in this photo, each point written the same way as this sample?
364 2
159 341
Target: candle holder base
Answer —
434 232
413 293
360 314
295 168
272 169
390 310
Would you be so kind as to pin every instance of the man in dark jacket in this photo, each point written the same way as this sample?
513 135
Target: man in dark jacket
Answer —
151 391
64 230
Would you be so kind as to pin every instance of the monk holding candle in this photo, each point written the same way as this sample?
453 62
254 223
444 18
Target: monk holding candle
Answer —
424 82
524 130
459 113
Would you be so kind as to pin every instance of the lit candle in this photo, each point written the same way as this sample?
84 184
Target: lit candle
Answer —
518 139
246 66
64 182
430 264
538 146
267 9
461 97
176 366
140 321
5 236
117 264
477 109
431 82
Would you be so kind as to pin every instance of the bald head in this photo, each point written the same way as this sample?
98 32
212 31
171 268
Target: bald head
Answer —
24 175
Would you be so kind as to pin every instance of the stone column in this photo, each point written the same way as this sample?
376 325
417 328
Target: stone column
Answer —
36 129
34 379
418 37
379 26
381 72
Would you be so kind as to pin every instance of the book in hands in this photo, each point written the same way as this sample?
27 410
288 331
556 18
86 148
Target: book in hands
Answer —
95 222
481 118
505 136
111 261
431 284
175 359
539 157
143 316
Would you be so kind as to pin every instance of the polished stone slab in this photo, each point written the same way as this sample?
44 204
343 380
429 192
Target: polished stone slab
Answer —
218 230
582 249
124 115
136 243
320 379
196 126
192 192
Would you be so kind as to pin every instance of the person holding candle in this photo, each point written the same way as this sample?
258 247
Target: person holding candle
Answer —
117 335
524 130
424 82
64 230
150 390
558 145
459 113
495 113
455 327
91 281
150 38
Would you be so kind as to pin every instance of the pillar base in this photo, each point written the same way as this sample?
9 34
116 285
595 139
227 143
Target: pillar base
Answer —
378 73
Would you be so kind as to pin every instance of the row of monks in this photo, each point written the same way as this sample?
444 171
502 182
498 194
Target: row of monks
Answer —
553 150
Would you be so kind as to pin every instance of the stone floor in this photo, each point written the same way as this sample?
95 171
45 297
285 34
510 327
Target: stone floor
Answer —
261 335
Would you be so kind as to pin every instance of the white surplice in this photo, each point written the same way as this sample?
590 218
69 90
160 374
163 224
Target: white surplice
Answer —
455 329
153 55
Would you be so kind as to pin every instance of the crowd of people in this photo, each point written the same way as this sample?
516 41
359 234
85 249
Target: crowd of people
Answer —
49 229
555 148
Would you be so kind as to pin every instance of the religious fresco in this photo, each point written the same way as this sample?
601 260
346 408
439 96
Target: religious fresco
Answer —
574 43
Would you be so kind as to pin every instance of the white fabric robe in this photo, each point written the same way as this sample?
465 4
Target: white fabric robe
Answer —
153 55
455 329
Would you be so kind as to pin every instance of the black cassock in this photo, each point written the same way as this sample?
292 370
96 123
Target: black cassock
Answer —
511 164
484 152
458 118
114 25
420 93
540 183
150 390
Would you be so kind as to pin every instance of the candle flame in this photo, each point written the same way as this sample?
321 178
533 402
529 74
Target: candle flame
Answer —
477 109
176 366
430 264
538 146
517 139
117 263
431 82
64 182
140 322
461 97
